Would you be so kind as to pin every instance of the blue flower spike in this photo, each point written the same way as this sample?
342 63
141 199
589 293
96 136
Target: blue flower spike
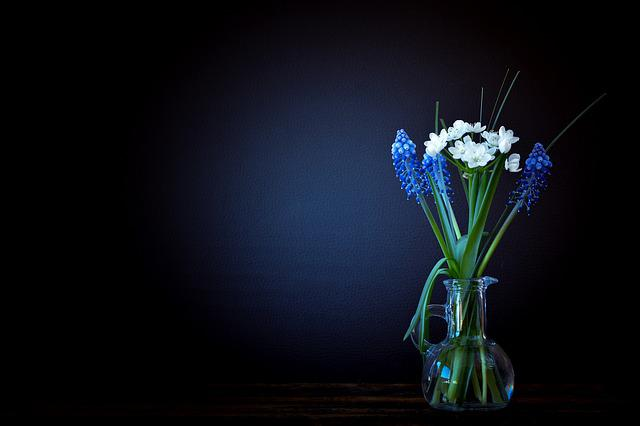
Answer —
403 152
437 168
533 180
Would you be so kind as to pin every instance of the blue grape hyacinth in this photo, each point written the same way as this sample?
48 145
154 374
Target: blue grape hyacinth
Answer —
403 151
437 168
533 180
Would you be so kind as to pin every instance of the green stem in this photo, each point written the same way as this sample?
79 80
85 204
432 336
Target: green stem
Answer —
457 367
501 395
483 362
476 382
470 372
498 237
496 396
489 239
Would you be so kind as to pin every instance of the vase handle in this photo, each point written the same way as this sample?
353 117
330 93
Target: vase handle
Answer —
431 311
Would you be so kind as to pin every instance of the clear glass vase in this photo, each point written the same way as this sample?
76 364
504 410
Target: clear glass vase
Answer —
465 371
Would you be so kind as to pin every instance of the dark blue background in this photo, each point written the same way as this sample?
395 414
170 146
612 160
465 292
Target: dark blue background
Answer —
225 207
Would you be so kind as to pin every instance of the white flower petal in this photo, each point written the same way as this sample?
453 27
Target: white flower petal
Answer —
512 163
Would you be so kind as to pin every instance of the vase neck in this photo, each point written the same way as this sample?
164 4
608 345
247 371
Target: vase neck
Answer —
466 306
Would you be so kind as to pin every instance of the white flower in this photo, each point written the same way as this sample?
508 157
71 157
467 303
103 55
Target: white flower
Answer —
436 143
492 138
506 139
477 155
458 129
512 164
490 149
460 148
475 128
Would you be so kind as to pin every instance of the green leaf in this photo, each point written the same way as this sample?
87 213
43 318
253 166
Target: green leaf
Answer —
425 291
443 214
460 246
434 227
447 203
423 333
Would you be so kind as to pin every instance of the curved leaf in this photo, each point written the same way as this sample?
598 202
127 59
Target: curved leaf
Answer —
426 290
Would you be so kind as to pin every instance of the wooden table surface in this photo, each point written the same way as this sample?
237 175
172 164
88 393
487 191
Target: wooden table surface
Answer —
343 403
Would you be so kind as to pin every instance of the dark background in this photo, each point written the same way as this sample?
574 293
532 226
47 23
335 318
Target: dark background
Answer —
208 195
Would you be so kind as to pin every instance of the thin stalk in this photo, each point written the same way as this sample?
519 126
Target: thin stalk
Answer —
458 366
463 365
498 237
465 185
470 370
485 246
506 95
472 200
491 382
437 110
482 187
481 102
500 386
573 121
476 382
436 389
440 388
498 97
483 362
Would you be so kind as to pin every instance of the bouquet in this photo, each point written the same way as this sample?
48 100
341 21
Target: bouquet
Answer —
480 152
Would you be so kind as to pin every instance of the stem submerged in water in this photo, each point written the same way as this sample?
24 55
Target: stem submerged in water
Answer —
467 373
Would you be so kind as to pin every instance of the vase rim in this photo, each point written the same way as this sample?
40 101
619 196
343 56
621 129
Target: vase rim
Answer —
460 283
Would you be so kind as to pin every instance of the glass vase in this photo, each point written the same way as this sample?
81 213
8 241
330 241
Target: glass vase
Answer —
465 371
